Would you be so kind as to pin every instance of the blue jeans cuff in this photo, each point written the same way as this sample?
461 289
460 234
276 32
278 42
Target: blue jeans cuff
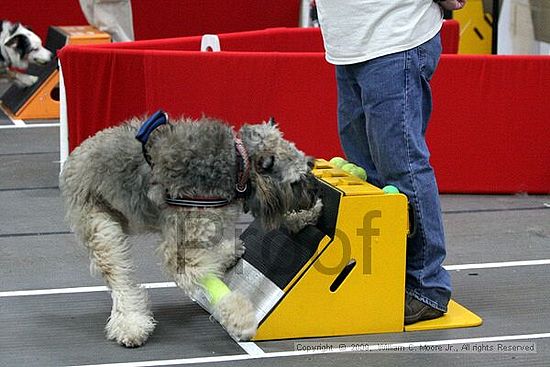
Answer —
422 298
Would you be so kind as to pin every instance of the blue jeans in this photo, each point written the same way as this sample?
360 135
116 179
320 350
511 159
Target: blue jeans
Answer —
384 106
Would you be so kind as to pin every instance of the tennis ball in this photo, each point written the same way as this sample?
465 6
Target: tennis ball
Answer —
390 189
338 162
348 167
215 288
359 172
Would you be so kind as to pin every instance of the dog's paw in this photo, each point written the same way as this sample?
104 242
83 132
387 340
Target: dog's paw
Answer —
296 221
238 252
231 253
25 80
236 314
130 330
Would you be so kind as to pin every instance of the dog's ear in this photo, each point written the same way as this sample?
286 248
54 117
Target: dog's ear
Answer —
13 39
14 27
310 162
272 123
12 42
265 164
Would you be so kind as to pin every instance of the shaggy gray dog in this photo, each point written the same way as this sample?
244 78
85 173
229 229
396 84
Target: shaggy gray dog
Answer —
182 183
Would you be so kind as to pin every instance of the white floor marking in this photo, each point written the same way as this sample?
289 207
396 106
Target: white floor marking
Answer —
19 123
297 353
504 264
44 292
92 289
251 348
54 291
27 126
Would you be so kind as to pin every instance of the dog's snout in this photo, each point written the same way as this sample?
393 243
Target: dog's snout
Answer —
315 187
306 191
310 162
42 56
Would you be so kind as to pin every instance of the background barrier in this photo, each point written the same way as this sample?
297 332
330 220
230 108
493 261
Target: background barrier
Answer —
163 18
489 131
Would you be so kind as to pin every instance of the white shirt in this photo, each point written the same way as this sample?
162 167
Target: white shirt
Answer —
359 30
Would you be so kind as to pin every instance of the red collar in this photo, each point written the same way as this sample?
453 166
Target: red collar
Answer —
243 166
16 69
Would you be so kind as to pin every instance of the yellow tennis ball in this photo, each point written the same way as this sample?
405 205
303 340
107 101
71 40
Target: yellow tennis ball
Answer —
338 161
390 189
359 172
348 167
215 287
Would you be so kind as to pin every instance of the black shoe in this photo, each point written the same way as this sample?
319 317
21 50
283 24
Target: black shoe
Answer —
417 311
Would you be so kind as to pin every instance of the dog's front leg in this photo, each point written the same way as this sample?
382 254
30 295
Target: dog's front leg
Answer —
232 309
197 243
229 252
23 80
195 257
131 321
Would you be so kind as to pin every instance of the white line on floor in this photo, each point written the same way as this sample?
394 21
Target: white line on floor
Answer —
296 353
19 123
100 288
27 126
54 291
251 348
504 264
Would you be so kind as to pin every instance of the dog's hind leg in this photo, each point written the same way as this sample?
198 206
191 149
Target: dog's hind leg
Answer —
131 321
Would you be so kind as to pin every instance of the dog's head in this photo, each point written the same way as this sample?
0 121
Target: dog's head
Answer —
24 47
281 177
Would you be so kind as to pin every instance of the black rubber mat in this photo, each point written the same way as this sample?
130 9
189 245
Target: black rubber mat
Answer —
4 119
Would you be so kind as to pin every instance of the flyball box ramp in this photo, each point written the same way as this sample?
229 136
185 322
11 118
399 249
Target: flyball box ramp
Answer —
344 276
41 100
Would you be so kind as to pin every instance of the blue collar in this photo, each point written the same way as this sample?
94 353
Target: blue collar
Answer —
157 119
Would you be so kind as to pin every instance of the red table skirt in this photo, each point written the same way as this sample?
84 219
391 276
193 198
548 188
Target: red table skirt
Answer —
489 133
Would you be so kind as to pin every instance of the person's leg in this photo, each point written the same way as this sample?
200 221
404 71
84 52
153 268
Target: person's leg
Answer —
352 122
397 102
111 16
87 7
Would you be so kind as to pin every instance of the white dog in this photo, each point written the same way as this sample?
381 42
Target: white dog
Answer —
20 47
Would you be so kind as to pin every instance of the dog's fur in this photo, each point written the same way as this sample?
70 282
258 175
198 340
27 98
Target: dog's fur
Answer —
19 47
111 191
